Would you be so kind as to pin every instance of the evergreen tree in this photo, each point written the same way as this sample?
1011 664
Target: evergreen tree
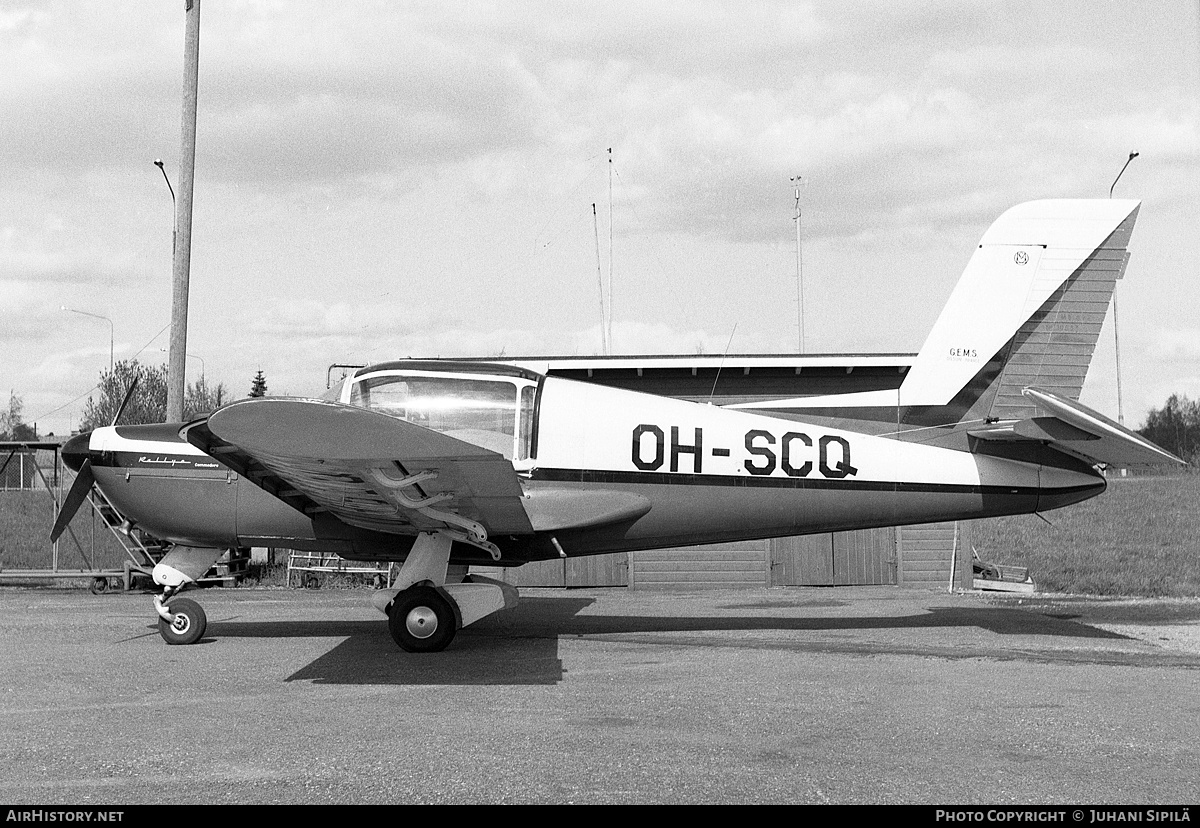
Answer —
258 387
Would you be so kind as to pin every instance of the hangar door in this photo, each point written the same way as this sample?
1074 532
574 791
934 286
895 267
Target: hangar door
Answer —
867 556
911 555
591 571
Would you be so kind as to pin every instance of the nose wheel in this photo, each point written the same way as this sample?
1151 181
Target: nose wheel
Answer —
187 623
421 620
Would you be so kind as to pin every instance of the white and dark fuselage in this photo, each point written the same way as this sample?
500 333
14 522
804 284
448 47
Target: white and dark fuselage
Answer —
439 463
677 472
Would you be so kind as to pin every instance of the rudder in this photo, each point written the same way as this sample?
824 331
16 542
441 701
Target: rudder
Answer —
1028 309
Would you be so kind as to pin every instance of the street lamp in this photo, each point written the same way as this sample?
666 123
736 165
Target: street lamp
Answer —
193 356
1132 156
111 331
1116 333
174 218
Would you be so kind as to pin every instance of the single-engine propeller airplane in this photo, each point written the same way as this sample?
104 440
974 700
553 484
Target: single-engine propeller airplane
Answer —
441 464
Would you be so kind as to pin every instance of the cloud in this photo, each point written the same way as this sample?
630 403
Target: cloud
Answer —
391 179
1175 344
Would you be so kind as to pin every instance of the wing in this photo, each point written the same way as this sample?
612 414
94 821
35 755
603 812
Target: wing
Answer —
369 469
1079 431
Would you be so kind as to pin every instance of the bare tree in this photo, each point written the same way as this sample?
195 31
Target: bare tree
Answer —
12 425
202 399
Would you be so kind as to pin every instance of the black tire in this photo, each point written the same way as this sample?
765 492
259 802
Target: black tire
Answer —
189 623
312 582
422 621
99 585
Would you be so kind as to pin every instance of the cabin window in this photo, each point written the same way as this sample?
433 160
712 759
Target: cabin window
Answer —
528 406
478 411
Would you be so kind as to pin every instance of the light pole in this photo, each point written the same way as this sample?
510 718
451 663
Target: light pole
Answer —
111 331
1132 156
1116 331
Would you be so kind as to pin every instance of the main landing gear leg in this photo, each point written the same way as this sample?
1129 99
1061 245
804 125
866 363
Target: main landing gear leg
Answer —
181 620
424 611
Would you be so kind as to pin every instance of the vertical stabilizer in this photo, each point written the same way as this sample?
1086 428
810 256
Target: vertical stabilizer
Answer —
1032 300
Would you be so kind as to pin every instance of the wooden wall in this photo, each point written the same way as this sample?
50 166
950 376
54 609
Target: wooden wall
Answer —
920 556
702 567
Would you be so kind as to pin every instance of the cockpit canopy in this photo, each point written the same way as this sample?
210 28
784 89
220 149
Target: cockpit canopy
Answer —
491 406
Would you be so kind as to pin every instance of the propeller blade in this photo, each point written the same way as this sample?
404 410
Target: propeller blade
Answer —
74 499
125 402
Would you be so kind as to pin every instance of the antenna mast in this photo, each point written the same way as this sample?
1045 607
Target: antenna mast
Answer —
799 274
600 281
610 248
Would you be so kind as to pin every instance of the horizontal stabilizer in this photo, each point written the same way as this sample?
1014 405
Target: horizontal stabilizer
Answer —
1077 430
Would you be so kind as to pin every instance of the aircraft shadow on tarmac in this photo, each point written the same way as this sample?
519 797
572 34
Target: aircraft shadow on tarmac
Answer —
520 646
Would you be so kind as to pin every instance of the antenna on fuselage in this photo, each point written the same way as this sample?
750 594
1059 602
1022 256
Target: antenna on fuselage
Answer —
721 365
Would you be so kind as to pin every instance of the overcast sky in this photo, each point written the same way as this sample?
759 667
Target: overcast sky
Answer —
382 180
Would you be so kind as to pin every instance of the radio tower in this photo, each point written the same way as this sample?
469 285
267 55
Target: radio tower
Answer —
799 273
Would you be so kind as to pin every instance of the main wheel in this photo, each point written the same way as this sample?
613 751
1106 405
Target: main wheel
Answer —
422 621
188 625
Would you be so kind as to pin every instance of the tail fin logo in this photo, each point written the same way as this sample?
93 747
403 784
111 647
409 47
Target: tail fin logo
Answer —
1021 258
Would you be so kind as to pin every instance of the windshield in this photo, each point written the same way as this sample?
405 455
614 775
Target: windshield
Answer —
478 411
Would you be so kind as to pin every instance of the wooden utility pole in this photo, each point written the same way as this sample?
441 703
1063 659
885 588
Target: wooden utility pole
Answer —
181 271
